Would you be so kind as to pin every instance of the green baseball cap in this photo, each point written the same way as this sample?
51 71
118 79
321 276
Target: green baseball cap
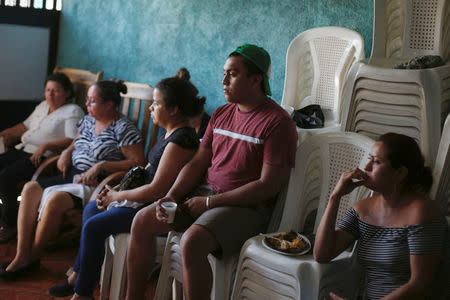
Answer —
261 59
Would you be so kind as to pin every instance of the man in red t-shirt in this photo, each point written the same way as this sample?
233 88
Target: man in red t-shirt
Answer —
246 155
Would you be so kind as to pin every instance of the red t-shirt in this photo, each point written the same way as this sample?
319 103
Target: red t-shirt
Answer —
242 141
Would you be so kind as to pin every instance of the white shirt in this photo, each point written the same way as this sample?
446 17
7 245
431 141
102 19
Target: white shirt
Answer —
44 127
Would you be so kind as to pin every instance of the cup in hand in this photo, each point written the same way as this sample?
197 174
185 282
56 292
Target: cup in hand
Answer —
170 208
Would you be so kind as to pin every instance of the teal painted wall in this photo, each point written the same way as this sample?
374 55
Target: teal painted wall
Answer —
147 40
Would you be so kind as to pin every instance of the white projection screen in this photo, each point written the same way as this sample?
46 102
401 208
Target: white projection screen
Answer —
23 61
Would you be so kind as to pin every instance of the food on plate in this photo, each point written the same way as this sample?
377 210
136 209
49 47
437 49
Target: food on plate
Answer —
289 242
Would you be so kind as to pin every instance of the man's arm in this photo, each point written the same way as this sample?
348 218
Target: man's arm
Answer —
255 192
265 188
191 174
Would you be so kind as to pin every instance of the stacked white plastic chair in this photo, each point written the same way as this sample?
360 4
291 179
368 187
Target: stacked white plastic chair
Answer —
265 274
408 101
171 275
441 172
114 269
317 63
223 269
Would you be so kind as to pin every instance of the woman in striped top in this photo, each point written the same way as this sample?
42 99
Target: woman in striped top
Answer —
106 142
175 101
401 233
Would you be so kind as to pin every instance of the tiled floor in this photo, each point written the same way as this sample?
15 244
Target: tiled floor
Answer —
35 286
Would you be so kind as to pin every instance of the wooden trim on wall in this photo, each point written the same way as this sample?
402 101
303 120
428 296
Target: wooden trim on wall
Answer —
29 16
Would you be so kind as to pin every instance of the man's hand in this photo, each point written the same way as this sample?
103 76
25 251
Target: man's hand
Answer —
195 206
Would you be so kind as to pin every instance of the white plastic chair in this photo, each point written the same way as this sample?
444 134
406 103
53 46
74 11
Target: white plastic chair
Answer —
114 269
440 190
408 28
137 99
172 272
223 269
265 274
317 63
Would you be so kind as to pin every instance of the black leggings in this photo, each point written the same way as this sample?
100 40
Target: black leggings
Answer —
15 168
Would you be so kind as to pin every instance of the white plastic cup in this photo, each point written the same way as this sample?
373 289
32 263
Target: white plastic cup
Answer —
170 208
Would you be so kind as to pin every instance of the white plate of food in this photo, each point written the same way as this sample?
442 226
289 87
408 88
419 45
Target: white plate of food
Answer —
287 243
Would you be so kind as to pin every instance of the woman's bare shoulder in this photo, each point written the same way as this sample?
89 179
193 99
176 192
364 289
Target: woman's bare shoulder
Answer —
423 209
363 206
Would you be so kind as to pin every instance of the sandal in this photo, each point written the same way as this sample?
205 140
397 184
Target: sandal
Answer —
4 265
27 269
61 290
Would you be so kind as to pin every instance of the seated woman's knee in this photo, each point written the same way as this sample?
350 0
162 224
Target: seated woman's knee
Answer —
58 202
94 230
31 186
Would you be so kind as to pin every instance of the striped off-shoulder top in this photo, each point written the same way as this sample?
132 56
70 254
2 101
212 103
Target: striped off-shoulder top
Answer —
384 251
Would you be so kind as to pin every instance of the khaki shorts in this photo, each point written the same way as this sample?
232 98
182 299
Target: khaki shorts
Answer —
230 225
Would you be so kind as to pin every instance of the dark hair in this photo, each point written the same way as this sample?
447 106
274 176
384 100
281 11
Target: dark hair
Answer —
110 90
183 73
403 151
64 81
252 69
181 93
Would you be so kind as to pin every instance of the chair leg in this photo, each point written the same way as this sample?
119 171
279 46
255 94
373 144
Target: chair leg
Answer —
119 273
169 266
105 277
177 290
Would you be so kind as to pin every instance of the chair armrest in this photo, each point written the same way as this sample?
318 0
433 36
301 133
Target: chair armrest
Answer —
47 167
110 180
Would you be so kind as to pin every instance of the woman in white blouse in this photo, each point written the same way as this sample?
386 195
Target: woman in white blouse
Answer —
50 128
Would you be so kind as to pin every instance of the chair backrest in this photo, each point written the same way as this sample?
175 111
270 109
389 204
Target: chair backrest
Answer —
440 190
322 159
317 63
82 80
408 28
135 105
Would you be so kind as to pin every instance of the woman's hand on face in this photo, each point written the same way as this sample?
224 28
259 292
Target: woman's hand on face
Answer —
63 163
195 206
349 181
38 154
161 214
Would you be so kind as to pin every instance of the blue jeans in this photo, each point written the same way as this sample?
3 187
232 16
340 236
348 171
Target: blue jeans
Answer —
97 226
